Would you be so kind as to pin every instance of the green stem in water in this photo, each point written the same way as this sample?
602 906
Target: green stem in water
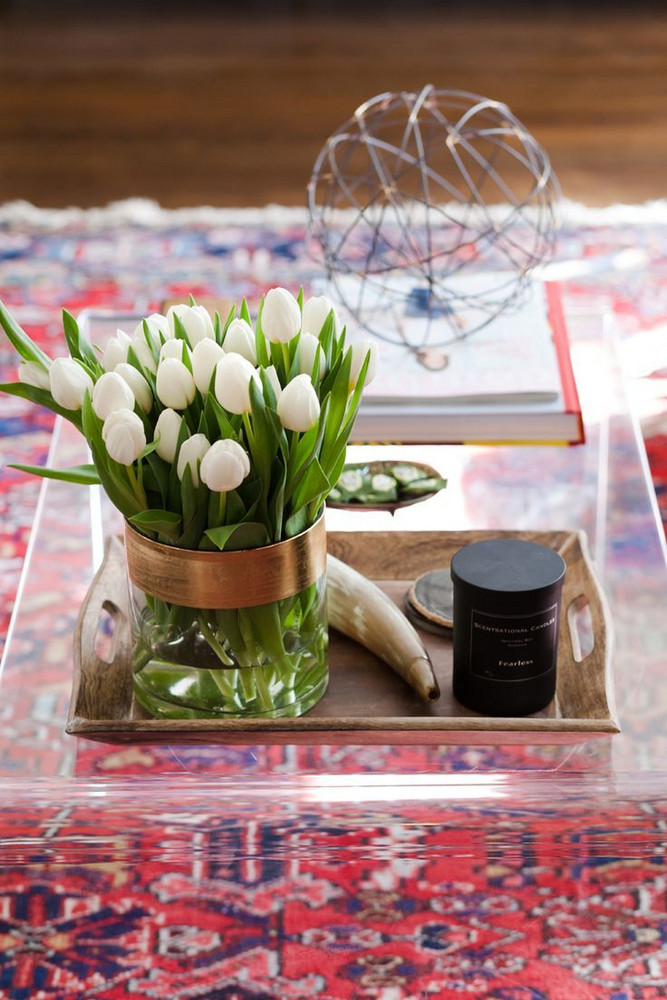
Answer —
212 641
265 699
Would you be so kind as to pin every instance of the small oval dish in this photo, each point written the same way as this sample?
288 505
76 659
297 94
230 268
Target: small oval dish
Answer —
384 485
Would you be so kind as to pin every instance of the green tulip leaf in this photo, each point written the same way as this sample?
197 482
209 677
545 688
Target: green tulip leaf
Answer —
79 347
85 475
160 471
216 415
296 523
43 398
230 316
314 483
232 537
20 340
180 332
162 522
261 348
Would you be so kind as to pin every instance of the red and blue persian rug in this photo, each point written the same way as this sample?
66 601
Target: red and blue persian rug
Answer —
564 904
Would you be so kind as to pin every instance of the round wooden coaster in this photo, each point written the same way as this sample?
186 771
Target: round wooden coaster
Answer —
422 623
432 597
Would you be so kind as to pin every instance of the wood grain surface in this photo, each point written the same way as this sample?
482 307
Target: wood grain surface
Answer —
366 702
210 108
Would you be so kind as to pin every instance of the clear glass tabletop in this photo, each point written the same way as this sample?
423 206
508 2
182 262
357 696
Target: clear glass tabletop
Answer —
602 487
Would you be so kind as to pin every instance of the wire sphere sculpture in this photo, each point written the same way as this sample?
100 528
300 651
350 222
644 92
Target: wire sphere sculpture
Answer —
431 207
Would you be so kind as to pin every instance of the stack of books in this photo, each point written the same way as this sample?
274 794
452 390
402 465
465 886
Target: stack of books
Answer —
510 382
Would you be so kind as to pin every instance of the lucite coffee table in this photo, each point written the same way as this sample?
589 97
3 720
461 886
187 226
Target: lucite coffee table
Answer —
602 488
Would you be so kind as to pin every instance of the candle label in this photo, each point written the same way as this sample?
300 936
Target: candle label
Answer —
513 647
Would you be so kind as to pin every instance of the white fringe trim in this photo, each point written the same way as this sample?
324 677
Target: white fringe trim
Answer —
149 214
143 212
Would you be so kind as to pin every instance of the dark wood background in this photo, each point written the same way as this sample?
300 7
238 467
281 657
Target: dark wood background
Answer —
189 104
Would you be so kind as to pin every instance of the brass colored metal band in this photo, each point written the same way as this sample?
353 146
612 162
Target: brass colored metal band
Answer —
240 579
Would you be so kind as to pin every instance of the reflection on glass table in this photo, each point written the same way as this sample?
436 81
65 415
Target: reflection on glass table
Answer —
602 488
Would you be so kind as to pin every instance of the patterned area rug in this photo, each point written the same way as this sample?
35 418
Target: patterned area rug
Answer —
421 902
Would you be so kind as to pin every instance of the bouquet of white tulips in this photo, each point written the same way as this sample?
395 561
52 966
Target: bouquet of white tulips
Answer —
213 435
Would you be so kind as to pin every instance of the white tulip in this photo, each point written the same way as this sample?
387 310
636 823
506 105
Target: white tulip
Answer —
173 349
191 454
298 406
68 383
224 466
143 352
309 346
167 429
232 383
240 339
116 351
157 324
196 322
123 433
138 384
281 316
205 357
315 312
111 393
35 374
272 375
174 385
359 351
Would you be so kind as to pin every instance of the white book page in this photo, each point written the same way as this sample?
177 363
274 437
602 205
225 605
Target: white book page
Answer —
513 359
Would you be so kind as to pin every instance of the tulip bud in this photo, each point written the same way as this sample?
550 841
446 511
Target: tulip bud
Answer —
298 406
157 324
224 466
232 383
191 454
35 374
309 346
111 393
195 320
174 385
205 357
315 312
167 429
116 351
138 384
68 383
123 433
359 351
240 339
281 316
173 349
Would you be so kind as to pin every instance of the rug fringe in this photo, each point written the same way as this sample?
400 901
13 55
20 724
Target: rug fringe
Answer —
150 214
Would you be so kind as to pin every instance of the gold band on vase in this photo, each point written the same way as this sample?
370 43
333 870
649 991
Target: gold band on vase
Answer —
223 580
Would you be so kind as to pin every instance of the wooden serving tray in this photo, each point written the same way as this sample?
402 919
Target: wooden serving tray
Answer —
366 702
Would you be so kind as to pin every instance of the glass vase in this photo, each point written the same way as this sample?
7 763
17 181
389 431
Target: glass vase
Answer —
263 660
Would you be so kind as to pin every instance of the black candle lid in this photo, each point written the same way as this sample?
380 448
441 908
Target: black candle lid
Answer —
508 565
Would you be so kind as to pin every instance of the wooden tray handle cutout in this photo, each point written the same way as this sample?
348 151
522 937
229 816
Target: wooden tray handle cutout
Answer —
584 639
580 624
106 634
102 660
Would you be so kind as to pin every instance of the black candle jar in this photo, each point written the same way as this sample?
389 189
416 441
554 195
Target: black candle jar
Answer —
507 595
